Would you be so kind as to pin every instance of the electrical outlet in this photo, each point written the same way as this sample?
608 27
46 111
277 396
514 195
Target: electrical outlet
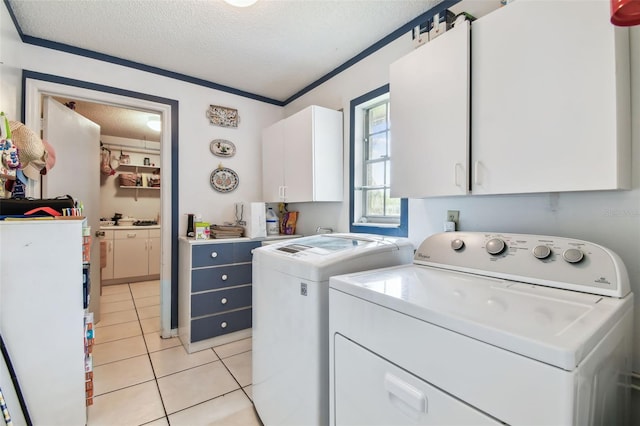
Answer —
453 215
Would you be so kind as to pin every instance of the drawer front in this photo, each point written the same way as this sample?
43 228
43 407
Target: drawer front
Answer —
130 234
219 301
211 255
218 325
242 252
154 233
224 276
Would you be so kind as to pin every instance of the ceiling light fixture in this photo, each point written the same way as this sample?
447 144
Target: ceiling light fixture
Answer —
154 124
241 3
625 13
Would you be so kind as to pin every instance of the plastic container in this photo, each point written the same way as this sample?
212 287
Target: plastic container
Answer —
273 226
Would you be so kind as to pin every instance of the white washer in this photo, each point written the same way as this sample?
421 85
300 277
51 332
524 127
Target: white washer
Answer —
291 321
484 328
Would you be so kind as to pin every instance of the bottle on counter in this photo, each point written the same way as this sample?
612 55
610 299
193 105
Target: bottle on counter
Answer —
273 225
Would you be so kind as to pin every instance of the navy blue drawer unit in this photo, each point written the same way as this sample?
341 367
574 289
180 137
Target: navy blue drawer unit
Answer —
214 300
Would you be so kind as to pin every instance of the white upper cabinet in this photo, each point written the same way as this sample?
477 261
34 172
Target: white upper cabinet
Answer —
549 105
429 94
302 157
550 99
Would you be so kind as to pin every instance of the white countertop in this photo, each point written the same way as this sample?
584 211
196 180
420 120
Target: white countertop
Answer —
193 241
115 228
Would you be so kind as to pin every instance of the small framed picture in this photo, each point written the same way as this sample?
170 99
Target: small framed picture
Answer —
147 161
222 116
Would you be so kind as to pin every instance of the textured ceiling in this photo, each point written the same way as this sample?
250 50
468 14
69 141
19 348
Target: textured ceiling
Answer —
116 121
274 48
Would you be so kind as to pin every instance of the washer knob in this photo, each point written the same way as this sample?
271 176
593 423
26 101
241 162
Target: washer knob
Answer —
541 252
457 244
573 255
495 246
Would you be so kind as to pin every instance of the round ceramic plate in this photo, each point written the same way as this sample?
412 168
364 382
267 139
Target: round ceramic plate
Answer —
222 148
224 179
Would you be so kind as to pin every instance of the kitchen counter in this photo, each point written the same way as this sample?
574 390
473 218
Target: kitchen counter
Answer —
115 228
193 241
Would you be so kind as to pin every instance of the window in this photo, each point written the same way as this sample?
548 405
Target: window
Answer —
372 209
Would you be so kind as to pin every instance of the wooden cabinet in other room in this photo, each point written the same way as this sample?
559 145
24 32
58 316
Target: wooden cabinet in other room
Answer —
136 253
302 157
214 293
549 109
106 248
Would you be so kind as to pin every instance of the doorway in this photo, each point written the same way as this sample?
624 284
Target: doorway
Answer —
36 85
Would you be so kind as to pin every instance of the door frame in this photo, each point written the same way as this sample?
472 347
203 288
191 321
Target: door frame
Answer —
35 85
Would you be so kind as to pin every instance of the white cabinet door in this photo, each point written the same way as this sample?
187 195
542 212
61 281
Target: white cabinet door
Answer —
298 154
327 150
550 99
302 157
107 271
154 250
273 162
429 94
130 254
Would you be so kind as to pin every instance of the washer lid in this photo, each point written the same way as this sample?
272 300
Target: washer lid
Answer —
554 326
318 257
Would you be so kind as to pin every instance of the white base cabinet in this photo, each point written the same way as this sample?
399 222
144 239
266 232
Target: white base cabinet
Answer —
302 157
42 318
135 254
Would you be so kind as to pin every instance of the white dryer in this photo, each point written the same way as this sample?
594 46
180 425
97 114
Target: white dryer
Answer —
290 334
484 328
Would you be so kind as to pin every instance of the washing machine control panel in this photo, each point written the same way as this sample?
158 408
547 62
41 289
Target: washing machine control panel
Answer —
553 261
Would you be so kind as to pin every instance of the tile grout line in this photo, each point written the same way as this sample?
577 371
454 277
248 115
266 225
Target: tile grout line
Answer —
153 370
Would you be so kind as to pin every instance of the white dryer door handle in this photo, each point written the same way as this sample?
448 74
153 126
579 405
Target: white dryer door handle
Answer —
402 390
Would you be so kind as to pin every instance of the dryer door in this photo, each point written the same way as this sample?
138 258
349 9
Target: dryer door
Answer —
369 390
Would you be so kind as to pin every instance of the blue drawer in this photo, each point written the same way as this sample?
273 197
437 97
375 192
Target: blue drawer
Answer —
242 252
220 254
215 302
211 255
224 276
218 325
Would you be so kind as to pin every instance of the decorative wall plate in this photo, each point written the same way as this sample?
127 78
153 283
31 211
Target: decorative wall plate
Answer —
224 179
222 116
222 148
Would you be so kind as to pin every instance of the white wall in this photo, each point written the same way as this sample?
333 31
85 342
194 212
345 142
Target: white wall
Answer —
611 219
195 132
142 204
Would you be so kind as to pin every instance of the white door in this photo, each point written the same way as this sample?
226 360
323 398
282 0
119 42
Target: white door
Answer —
76 141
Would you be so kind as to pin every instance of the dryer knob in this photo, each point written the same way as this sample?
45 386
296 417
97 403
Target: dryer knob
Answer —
457 244
495 246
541 252
573 255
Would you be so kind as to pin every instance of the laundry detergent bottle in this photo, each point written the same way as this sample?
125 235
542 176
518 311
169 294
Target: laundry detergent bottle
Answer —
273 227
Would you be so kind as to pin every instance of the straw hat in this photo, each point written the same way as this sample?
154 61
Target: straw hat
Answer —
31 150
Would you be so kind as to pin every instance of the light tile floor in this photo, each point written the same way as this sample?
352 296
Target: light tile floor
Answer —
142 379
